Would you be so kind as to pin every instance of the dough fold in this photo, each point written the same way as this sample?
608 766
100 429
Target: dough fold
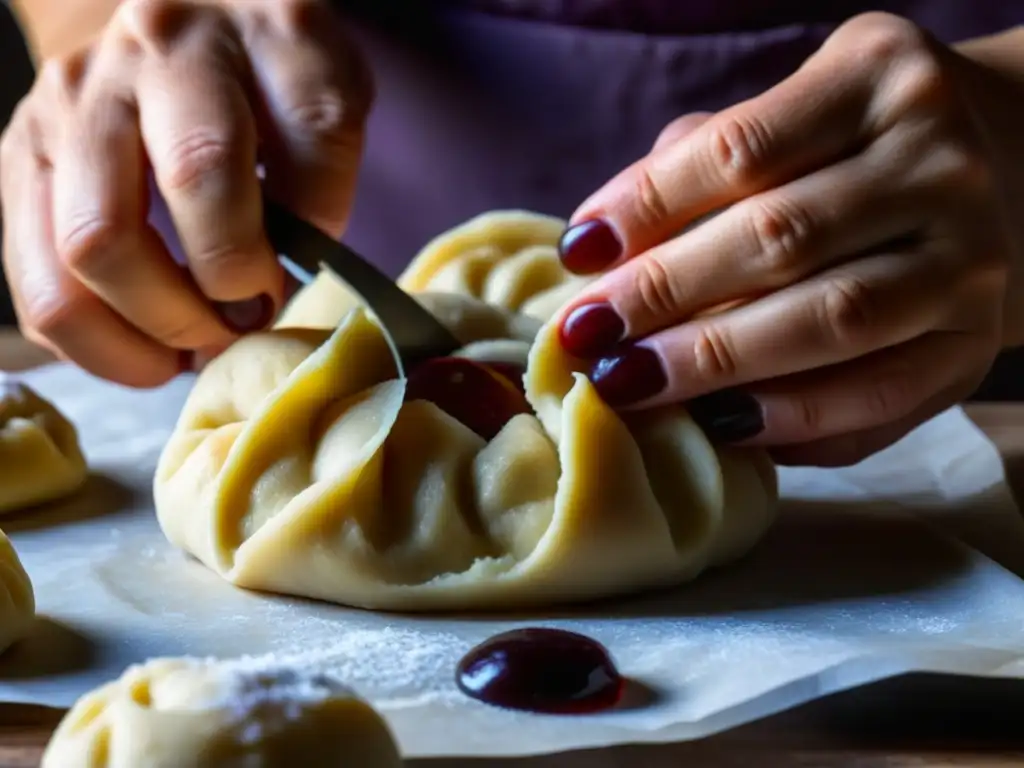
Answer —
17 597
40 458
300 466
191 713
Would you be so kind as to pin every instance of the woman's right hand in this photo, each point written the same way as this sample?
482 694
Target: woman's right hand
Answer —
193 96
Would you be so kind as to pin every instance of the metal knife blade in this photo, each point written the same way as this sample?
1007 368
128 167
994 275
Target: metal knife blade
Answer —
304 250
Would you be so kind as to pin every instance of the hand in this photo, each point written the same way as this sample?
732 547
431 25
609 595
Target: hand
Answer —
852 282
197 94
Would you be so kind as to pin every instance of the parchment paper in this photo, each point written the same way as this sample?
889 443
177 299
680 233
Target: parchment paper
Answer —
862 578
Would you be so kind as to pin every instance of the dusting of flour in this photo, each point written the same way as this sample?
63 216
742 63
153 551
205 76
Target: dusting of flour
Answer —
394 667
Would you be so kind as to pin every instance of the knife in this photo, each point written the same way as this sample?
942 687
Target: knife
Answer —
303 250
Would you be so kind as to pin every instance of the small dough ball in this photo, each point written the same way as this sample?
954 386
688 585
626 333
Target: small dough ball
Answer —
17 599
40 458
192 713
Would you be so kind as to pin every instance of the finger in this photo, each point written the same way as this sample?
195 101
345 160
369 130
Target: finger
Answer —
813 117
101 232
836 316
53 308
852 448
767 242
872 391
317 92
199 131
844 450
679 128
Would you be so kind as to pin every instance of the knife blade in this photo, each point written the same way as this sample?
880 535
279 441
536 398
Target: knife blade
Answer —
303 250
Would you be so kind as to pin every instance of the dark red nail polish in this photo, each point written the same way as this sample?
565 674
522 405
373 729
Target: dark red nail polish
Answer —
728 415
589 247
633 374
592 330
249 315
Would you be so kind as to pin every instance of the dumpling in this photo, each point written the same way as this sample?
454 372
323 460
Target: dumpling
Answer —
191 713
508 259
40 458
17 598
302 464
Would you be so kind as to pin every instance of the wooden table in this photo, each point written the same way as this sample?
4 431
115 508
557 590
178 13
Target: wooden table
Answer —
912 721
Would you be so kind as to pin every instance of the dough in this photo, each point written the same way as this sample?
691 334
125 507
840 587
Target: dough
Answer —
17 599
40 459
299 466
190 713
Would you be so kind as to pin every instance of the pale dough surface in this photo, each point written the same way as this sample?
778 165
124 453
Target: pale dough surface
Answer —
191 713
17 597
40 457
298 467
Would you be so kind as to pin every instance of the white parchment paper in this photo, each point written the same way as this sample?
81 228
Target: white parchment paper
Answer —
867 574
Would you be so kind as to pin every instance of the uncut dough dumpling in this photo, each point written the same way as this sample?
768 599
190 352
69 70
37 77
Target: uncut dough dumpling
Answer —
40 458
300 466
191 713
17 597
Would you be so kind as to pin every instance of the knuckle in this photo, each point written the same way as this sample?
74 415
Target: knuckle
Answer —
847 316
51 318
219 268
182 333
810 415
656 286
63 77
781 230
651 207
195 157
714 358
960 168
738 150
884 37
891 396
921 84
90 245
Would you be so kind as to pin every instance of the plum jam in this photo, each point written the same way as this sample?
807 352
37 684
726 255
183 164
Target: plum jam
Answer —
475 394
548 671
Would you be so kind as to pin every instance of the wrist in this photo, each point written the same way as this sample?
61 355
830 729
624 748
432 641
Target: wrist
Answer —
993 72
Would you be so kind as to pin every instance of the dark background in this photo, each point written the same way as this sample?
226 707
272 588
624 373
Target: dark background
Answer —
1005 382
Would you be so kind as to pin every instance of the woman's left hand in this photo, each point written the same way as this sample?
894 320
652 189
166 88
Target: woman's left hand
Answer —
852 284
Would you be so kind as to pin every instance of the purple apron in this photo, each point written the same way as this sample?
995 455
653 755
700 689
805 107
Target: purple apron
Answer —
535 103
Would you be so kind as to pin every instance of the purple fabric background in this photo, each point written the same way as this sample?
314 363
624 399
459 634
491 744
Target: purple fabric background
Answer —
535 103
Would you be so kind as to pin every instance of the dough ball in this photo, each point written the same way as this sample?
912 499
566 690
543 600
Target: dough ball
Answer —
17 599
507 259
302 464
189 713
40 459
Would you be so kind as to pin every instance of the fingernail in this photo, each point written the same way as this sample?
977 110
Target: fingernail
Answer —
728 415
633 374
248 315
592 330
589 247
